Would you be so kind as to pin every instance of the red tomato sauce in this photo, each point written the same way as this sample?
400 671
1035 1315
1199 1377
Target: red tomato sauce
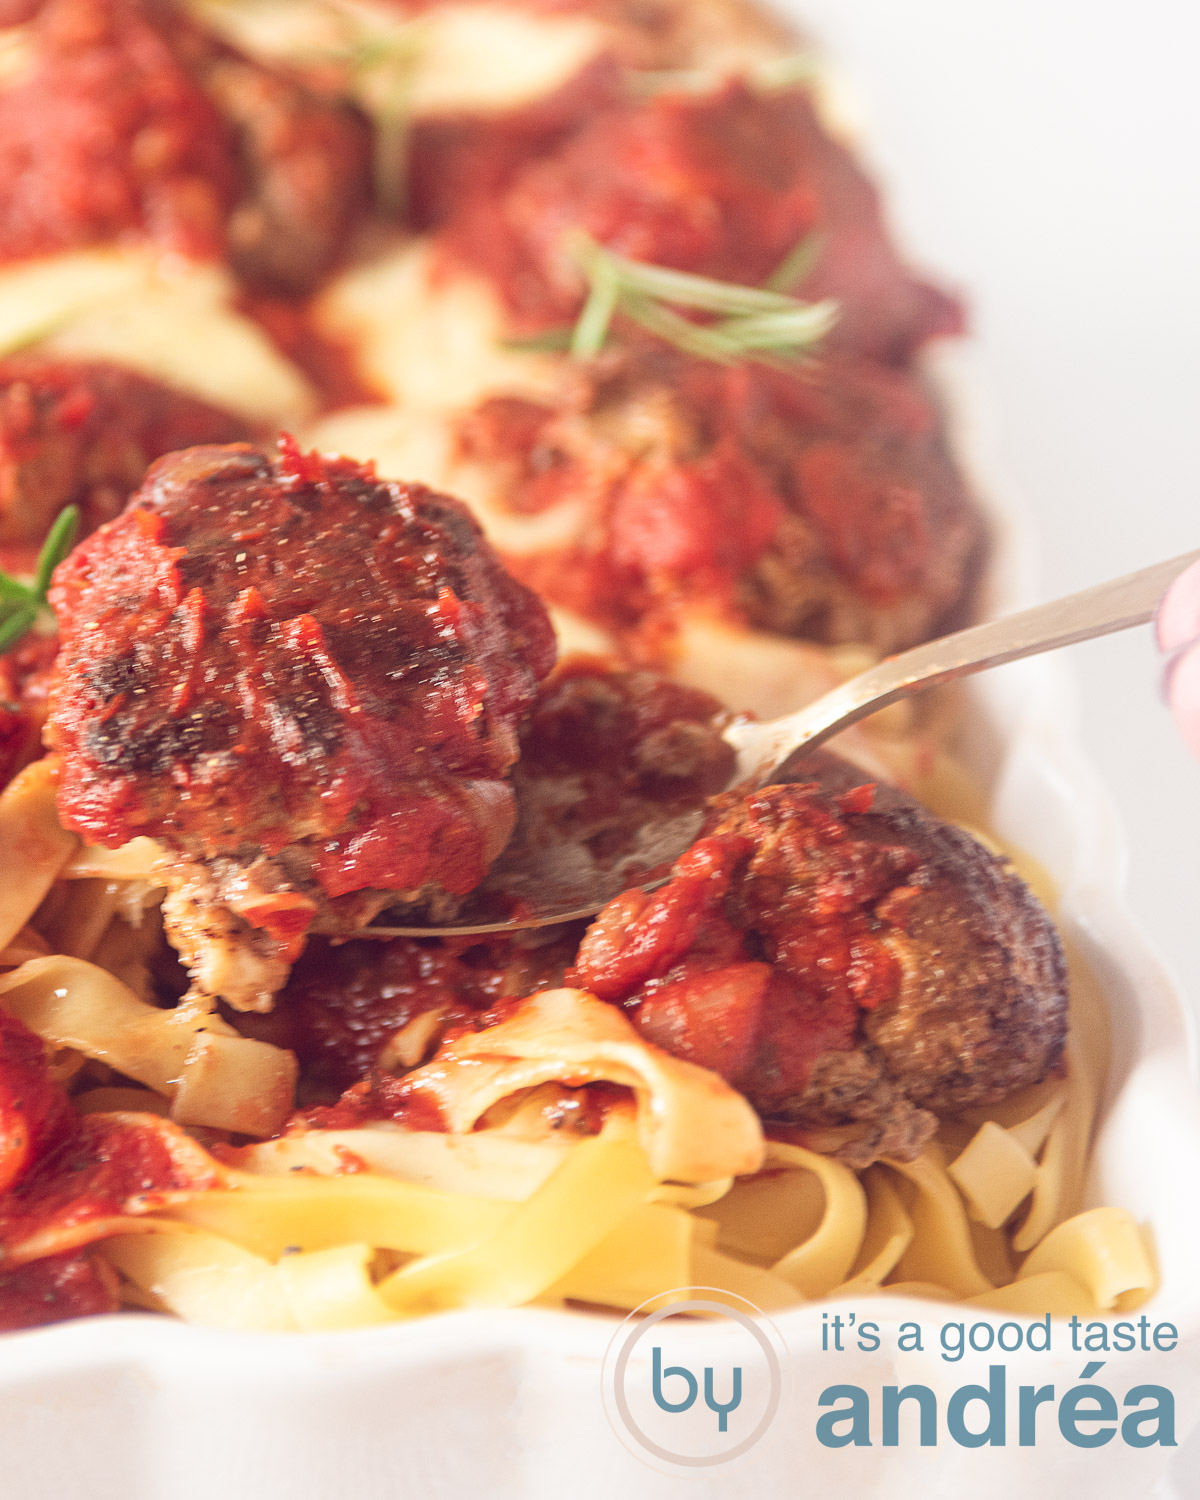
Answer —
112 133
311 654
763 949
55 1288
724 185
24 683
818 502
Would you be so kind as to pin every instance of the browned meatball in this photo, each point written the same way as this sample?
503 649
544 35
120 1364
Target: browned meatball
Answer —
348 1010
306 682
819 502
843 957
132 118
84 433
724 184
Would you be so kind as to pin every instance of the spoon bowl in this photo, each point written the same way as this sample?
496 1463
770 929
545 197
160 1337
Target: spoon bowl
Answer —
542 879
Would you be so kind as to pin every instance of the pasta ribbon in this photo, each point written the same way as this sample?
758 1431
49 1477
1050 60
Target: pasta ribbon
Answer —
485 1164
817 1265
34 846
212 1075
1051 1292
273 1215
203 1278
140 859
941 1251
805 1214
766 1290
995 1173
598 1185
1058 1190
887 1235
1102 1249
648 1252
692 1125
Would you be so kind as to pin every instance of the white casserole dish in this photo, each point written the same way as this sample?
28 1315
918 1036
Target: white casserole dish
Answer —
510 1403
467 1405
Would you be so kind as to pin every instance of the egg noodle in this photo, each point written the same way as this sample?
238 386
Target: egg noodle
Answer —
339 1228
325 1229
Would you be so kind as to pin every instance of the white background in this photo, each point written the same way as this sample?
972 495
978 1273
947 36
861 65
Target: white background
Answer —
1044 156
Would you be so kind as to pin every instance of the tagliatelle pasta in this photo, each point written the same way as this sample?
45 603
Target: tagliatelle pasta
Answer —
498 1216
577 269
213 1075
342 1227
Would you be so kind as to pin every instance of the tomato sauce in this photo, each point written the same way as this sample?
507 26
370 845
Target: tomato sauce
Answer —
55 1288
765 947
24 683
308 655
724 184
65 1178
82 432
818 501
111 133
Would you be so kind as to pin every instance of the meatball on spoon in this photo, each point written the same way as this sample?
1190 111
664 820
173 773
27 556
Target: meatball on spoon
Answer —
306 685
549 880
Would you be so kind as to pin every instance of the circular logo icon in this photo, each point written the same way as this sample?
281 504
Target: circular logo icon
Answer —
693 1378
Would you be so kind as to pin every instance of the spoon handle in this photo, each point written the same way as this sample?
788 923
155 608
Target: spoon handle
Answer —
1117 605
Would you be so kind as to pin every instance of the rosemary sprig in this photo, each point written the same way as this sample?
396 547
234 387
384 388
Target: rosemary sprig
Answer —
383 70
798 264
753 321
379 65
22 603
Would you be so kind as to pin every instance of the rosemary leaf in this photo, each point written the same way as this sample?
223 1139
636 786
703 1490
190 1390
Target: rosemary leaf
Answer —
795 328
14 594
703 293
771 74
59 541
22 603
692 338
798 264
785 72
754 321
592 328
16 625
553 341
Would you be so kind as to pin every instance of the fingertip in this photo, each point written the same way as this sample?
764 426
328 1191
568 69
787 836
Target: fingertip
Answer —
1177 621
1181 688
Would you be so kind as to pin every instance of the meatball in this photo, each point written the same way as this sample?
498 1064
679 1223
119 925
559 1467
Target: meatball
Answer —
607 753
85 433
352 1011
818 502
129 117
845 958
306 683
603 752
723 184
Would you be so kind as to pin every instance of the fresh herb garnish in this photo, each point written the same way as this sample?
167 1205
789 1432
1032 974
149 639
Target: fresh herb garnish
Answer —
754 322
22 603
376 63
797 265
382 72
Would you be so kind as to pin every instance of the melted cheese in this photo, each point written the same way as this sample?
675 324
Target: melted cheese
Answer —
490 58
478 59
169 319
427 335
